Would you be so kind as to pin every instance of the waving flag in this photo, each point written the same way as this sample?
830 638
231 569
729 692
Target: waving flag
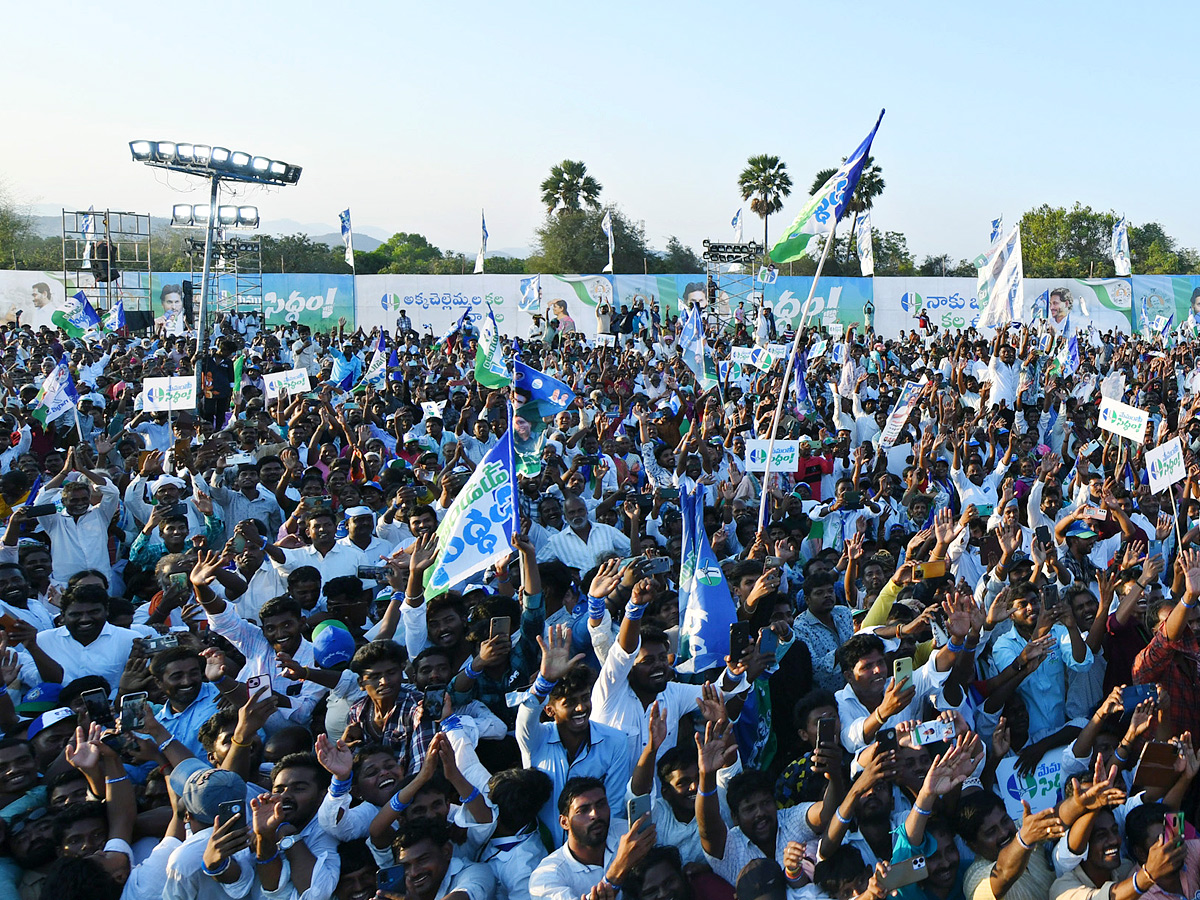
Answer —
1001 283
482 246
445 343
114 319
801 383
477 530
57 397
551 395
706 608
737 227
1120 247
606 227
89 226
531 294
997 228
862 237
1071 357
826 206
239 366
77 317
490 368
1041 306
376 372
347 236
695 350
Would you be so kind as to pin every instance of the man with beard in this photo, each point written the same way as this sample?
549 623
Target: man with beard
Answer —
593 862
15 599
247 499
584 543
182 675
280 632
432 871
289 843
79 533
85 644
1008 862
253 580
31 846
570 745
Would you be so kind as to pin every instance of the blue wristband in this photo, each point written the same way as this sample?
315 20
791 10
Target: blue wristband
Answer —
634 611
220 870
595 607
451 723
465 800
542 687
339 788
397 806
956 648
268 861
470 672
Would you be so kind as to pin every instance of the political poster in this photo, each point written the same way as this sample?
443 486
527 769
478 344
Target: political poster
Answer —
1123 419
1165 465
1042 787
785 456
294 381
904 407
170 394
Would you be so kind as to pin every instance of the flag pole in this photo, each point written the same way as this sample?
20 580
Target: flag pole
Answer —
764 507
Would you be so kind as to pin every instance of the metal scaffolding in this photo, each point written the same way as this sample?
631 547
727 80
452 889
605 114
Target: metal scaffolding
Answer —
106 254
730 276
237 282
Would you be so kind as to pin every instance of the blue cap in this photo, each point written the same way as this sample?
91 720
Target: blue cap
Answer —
332 646
48 719
39 699
1080 530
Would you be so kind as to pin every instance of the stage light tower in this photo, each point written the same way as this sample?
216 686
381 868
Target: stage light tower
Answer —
217 164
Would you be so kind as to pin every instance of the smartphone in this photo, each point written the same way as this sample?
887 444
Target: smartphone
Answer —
500 625
179 581
231 809
645 502
8 621
257 682
41 509
669 493
902 671
161 642
239 544
133 711
1093 512
435 699
372 573
768 641
637 807
932 732
589 460
826 735
1137 693
984 510
852 500
989 550
1042 533
1173 827
903 873
655 566
935 568
98 708
1156 766
886 738
739 640
1090 448
390 879
773 562
1051 598
117 743
629 561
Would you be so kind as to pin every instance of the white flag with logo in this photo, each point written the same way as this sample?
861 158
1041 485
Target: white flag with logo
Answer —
1120 247
482 245
1000 287
737 227
606 225
347 236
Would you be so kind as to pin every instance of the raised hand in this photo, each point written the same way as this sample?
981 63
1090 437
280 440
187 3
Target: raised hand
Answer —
556 652
335 756
1043 826
712 707
608 576
716 750
657 726
1101 793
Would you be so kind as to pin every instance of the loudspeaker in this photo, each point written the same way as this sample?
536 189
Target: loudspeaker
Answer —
104 267
189 315
139 320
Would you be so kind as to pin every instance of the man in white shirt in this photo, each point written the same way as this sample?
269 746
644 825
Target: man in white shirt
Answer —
593 857
1004 375
432 871
329 557
229 869
584 543
79 533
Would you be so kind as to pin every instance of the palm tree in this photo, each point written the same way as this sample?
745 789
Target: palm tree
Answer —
569 183
870 185
765 182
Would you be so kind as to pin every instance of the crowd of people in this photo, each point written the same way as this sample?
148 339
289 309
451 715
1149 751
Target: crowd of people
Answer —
965 663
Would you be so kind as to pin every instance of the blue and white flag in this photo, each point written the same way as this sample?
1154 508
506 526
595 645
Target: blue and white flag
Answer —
551 395
1120 247
477 530
89 226
997 228
376 371
1071 363
606 227
114 318
695 352
531 294
1041 306
801 386
706 608
78 317
737 227
58 395
1000 287
482 245
862 237
347 236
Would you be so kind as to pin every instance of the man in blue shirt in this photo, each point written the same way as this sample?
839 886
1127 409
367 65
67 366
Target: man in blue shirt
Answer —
191 698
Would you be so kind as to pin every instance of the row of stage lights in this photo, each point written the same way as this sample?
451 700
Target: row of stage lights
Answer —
201 159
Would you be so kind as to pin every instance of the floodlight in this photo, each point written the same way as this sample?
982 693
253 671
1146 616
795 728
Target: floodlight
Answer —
227 215
140 149
200 213
202 154
239 160
278 169
182 214
220 156
164 150
248 216
260 164
185 153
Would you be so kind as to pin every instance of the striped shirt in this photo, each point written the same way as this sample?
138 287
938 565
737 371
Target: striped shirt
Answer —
603 540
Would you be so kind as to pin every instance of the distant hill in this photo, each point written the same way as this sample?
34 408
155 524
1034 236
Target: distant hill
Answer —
362 242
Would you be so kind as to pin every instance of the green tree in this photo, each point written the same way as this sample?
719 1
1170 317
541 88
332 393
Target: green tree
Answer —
765 183
568 185
943 266
679 259
401 254
892 256
300 253
572 243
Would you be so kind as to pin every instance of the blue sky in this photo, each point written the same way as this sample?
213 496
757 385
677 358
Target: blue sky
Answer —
418 115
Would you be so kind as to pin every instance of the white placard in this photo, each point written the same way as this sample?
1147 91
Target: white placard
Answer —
741 354
1160 322
836 329
294 381
606 340
1042 788
818 349
1165 465
170 394
1123 419
785 456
